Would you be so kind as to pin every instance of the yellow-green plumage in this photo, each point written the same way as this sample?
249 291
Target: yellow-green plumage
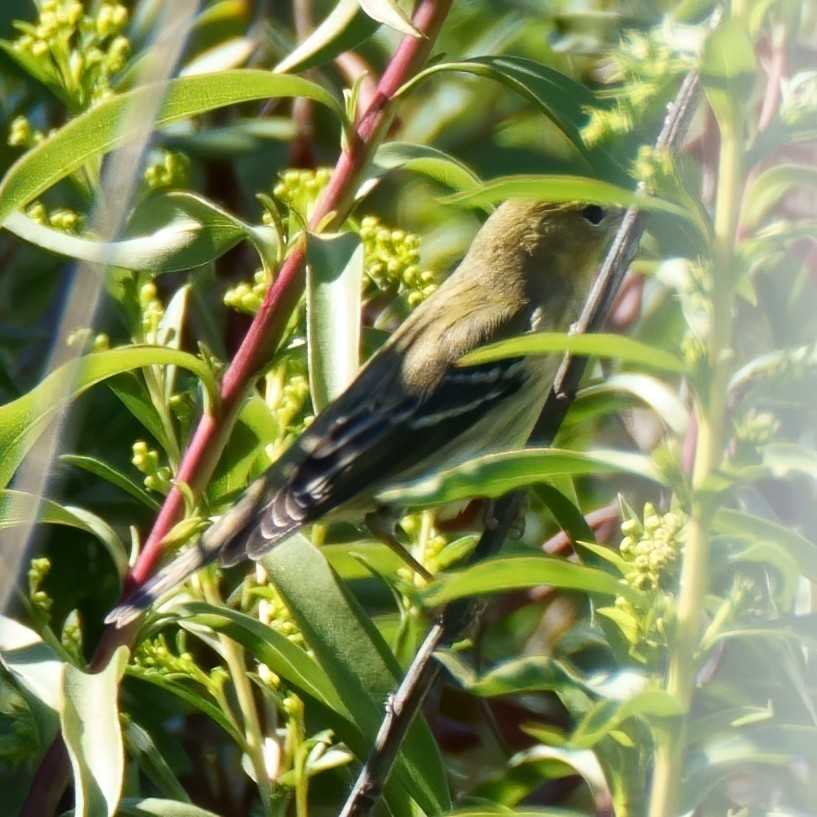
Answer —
412 410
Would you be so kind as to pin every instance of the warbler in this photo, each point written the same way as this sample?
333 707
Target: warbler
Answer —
413 409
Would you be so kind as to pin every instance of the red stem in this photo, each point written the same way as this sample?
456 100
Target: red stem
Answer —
268 326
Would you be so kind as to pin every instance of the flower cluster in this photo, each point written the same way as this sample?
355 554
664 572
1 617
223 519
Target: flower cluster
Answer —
652 548
299 189
74 53
40 600
275 614
753 430
246 297
290 404
72 639
391 257
61 218
155 657
391 261
169 169
643 68
152 311
650 562
146 460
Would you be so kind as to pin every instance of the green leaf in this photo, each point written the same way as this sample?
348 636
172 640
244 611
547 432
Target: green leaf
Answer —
98 130
529 674
770 186
563 189
773 556
37 671
604 346
435 164
519 572
561 98
755 529
581 761
296 666
345 28
140 746
773 363
90 727
193 697
390 14
660 397
333 284
212 231
24 419
231 53
568 516
494 475
734 751
784 458
105 471
527 811
156 807
727 719
657 708
18 509
358 662
174 231
134 395
243 457
728 71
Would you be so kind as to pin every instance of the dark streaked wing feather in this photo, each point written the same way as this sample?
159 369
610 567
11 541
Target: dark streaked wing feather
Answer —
183 566
359 450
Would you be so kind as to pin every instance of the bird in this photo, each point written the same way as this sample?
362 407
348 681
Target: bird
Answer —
414 409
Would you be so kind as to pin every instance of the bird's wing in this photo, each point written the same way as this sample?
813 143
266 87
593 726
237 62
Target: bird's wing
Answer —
361 443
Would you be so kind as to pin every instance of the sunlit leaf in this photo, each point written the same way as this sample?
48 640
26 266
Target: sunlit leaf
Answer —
756 529
728 70
98 130
93 737
333 286
18 509
657 708
35 667
516 573
784 458
494 475
565 189
769 188
562 99
605 346
429 161
24 419
345 27
528 674
390 14
656 394
157 807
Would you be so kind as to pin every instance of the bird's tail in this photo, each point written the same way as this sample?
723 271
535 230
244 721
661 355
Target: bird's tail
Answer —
226 539
170 576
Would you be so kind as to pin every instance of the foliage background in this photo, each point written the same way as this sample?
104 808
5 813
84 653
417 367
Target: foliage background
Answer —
648 643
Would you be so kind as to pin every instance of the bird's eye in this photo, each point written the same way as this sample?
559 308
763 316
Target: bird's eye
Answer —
594 214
